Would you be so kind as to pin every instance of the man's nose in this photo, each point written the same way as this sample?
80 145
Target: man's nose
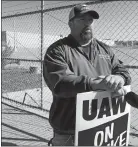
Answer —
88 22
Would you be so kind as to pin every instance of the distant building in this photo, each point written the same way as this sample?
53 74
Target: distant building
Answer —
108 42
7 50
128 43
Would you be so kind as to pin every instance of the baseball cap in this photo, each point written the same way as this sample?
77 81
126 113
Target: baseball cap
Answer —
80 9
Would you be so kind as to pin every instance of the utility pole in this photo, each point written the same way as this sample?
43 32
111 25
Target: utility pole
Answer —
42 38
14 37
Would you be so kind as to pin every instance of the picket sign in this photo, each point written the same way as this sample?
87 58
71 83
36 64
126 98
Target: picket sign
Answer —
102 120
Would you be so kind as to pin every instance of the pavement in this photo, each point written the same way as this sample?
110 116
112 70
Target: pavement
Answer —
21 128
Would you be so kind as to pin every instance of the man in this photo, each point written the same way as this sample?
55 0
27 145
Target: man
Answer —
79 63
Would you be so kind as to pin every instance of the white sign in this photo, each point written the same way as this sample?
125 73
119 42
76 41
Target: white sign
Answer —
101 120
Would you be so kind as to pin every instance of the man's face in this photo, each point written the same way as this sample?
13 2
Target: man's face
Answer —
81 26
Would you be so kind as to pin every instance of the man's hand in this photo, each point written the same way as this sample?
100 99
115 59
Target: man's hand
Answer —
113 82
120 92
110 83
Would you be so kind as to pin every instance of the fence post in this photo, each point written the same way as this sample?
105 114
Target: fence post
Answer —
42 7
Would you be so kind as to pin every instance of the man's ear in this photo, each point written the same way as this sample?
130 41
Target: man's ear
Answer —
70 23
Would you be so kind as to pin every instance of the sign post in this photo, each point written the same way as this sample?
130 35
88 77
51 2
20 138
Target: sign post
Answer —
102 120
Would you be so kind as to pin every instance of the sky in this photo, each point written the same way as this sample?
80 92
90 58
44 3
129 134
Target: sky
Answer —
118 21
13 7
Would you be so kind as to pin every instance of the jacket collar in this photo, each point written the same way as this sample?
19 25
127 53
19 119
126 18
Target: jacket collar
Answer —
73 42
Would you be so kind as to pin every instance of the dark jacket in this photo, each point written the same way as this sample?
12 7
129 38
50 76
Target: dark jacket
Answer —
67 71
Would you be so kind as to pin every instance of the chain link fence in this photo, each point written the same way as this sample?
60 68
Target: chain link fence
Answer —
23 51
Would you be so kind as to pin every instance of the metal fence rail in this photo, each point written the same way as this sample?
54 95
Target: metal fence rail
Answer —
26 37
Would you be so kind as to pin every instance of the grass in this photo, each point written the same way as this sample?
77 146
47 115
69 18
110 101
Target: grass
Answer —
16 79
19 79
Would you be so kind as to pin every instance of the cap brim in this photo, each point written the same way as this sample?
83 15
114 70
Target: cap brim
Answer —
94 14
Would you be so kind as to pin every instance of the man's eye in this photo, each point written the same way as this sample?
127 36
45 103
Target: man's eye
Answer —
82 19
